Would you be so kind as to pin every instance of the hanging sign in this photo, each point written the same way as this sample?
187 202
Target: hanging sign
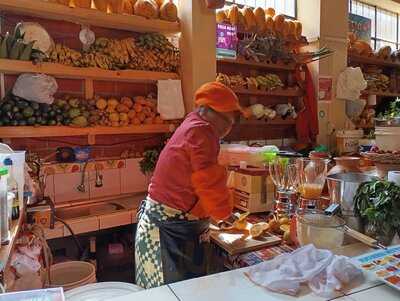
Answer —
360 26
226 41
325 88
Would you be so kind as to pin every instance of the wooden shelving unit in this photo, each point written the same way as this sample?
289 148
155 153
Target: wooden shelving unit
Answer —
91 132
259 129
370 60
62 71
381 93
276 92
269 66
54 11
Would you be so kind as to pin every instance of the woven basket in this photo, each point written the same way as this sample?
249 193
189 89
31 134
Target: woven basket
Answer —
387 158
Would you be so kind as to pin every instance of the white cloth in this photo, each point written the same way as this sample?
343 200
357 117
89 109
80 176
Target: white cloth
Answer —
170 99
350 83
323 271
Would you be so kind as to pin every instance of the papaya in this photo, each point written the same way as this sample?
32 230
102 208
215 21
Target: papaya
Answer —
248 14
233 15
279 21
169 11
270 12
221 16
269 24
259 15
298 30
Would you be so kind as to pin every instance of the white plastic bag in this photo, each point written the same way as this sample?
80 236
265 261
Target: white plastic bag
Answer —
350 83
170 100
36 87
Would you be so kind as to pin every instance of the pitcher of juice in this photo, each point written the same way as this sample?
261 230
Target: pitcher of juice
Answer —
311 180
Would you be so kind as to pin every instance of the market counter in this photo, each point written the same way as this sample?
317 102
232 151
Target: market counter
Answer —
234 285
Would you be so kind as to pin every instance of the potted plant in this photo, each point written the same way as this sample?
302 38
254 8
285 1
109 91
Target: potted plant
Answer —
378 204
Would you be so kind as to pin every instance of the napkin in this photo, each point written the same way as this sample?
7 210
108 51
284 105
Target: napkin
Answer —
324 272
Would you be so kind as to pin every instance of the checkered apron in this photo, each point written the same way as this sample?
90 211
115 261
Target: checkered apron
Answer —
149 257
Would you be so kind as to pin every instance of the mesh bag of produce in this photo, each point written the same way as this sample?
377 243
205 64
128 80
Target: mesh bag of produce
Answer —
36 87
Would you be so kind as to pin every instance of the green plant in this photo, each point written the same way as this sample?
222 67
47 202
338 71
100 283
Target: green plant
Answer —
378 203
149 161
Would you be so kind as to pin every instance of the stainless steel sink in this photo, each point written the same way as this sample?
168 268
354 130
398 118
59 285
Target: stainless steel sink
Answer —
87 210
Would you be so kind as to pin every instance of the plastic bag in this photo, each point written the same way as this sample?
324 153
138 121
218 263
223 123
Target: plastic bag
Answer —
36 87
350 84
170 100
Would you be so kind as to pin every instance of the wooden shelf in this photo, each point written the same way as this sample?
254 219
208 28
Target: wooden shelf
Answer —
54 11
246 131
381 93
272 66
370 60
62 71
6 251
276 121
60 131
276 92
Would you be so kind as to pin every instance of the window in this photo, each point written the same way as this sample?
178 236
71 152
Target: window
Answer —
286 7
384 24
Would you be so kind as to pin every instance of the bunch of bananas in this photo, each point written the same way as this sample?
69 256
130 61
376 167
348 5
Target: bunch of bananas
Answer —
234 81
112 54
377 81
155 41
64 55
268 82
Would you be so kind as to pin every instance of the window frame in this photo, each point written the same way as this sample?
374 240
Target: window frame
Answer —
375 38
287 16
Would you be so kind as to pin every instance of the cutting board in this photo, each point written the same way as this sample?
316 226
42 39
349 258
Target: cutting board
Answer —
236 242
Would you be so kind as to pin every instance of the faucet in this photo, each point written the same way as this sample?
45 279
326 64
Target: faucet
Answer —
99 178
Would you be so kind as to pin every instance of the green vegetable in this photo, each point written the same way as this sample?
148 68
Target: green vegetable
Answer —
79 121
26 52
28 112
378 203
74 112
149 161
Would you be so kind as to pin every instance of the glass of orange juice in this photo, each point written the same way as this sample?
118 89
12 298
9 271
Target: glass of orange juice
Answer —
311 175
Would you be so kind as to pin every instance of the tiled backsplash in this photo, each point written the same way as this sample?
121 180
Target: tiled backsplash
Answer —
119 177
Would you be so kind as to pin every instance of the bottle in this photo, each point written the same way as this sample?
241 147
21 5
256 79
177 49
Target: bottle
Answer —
12 188
4 221
92 252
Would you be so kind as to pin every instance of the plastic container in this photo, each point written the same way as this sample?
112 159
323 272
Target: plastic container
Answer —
347 141
4 220
72 274
233 154
387 137
101 291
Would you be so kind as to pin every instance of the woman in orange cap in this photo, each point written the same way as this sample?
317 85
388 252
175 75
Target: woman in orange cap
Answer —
187 189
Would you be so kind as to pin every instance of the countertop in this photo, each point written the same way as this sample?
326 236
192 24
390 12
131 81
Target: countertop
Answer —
233 285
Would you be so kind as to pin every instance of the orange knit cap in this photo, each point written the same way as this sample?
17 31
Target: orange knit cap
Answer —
218 97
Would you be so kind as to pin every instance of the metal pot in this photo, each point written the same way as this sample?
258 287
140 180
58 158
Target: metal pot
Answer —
342 190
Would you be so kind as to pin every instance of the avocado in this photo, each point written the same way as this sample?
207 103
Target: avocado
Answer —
6 107
67 121
14 122
59 118
39 120
52 122
18 116
22 123
15 109
52 113
22 104
28 112
35 106
37 113
43 122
